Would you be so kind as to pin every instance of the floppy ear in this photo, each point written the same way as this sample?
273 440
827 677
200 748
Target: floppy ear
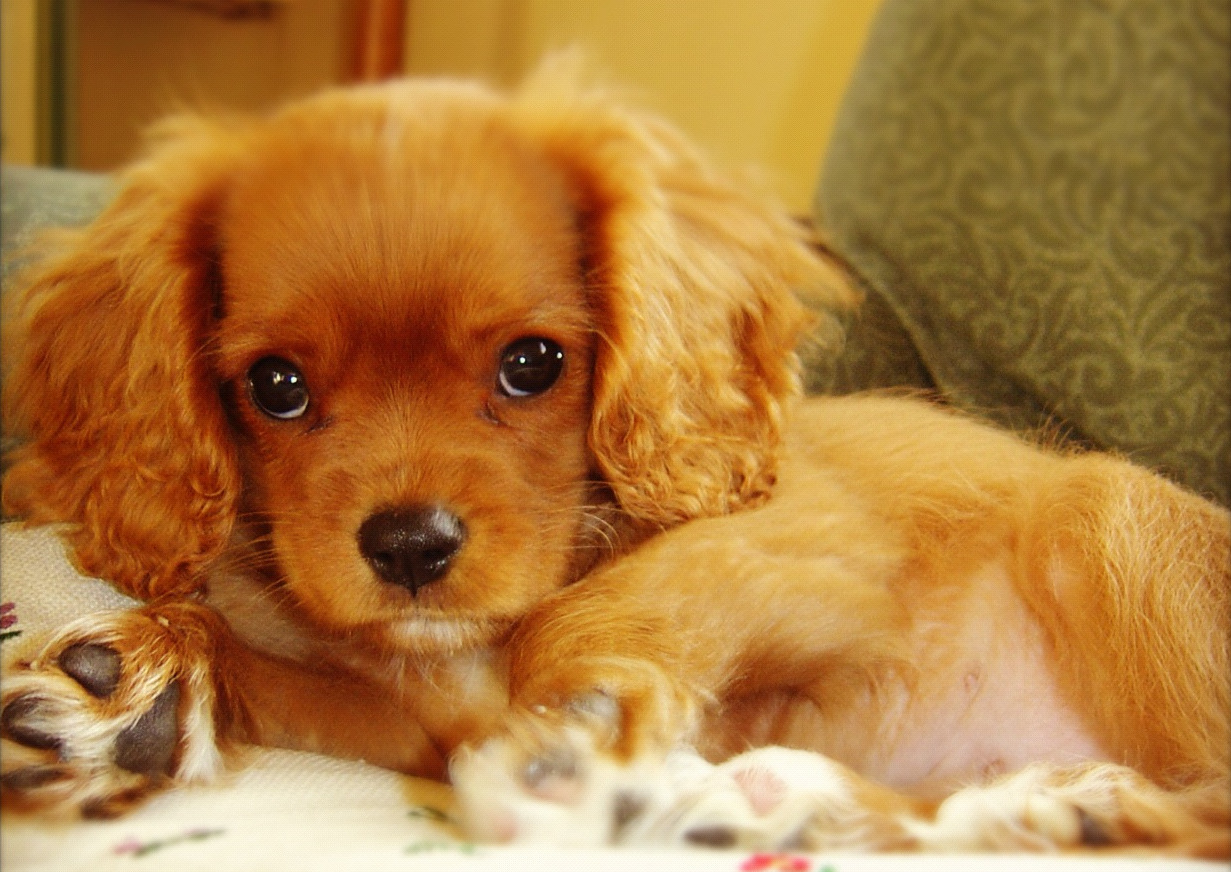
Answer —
107 378
693 281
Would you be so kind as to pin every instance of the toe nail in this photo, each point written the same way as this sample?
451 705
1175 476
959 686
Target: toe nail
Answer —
94 667
109 807
597 705
16 724
147 746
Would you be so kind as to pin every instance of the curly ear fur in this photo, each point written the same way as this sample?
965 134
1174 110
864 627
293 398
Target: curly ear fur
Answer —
693 282
126 435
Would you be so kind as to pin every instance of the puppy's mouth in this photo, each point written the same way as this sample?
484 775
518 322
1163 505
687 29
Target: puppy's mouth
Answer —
442 633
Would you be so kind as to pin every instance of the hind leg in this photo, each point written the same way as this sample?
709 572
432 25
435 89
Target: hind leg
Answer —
1130 577
1095 805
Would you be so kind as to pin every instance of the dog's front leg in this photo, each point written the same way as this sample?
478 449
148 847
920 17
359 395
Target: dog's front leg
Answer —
610 678
120 704
583 749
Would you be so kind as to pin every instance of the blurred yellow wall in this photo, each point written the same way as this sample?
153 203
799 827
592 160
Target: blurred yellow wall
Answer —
758 83
139 60
135 61
19 75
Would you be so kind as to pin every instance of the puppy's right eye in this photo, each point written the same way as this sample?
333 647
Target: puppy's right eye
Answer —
530 366
278 388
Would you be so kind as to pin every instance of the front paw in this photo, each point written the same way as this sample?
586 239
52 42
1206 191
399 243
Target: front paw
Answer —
112 708
547 781
554 778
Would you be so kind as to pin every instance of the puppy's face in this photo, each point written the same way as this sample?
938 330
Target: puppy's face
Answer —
405 348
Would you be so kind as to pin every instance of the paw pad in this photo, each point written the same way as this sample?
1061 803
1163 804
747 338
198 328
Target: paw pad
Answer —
626 808
1093 834
716 836
20 721
87 742
147 746
94 667
31 777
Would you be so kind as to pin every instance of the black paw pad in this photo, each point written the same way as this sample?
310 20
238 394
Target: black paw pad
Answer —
711 837
20 722
1092 832
628 806
148 746
94 667
30 777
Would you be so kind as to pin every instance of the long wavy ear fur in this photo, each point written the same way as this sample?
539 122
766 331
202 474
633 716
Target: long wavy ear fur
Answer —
694 283
107 378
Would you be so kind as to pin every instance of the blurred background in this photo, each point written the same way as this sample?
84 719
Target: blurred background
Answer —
1035 194
756 81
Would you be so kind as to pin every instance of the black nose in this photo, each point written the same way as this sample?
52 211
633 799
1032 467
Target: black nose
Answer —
412 546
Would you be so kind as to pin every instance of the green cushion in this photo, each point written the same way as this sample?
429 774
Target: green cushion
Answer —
35 198
1036 195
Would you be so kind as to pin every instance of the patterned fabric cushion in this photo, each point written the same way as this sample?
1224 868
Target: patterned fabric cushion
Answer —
36 198
1037 197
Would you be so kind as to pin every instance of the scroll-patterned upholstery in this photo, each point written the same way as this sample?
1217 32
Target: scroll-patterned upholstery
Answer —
1036 195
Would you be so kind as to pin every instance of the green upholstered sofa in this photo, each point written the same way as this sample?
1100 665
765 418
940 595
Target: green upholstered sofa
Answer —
1036 197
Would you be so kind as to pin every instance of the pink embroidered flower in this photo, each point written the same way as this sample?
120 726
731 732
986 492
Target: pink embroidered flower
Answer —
128 846
776 863
8 617
137 848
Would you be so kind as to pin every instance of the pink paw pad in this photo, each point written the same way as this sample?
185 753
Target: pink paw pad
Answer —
763 789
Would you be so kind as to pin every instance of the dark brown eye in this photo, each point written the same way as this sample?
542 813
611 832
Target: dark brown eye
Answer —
278 388
530 366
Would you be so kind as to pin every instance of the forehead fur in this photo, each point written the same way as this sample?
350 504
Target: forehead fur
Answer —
403 203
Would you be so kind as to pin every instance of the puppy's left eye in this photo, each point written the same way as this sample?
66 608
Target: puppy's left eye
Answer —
530 366
278 388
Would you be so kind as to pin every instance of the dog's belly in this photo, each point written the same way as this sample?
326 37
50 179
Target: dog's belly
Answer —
985 700
988 700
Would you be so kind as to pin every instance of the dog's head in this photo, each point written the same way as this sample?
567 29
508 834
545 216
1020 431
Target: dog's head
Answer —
431 347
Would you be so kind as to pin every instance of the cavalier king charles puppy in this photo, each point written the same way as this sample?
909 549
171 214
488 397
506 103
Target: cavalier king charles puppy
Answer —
459 432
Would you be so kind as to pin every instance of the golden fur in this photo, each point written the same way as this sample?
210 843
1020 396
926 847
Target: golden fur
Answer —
914 579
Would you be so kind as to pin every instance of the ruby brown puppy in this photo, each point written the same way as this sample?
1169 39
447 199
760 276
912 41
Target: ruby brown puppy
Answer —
433 424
